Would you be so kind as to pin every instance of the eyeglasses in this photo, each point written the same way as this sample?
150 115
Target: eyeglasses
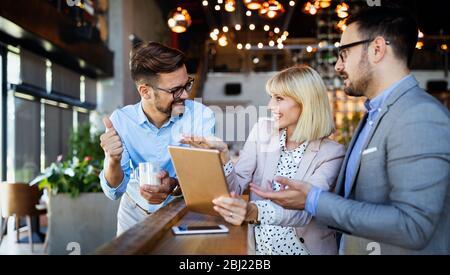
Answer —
177 91
343 50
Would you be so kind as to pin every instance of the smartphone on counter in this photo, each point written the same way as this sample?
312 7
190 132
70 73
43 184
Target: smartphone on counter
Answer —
194 229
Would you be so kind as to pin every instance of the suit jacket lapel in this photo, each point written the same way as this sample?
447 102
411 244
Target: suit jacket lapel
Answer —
307 159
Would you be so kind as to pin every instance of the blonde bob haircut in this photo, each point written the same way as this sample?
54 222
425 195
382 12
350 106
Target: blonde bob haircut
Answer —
304 85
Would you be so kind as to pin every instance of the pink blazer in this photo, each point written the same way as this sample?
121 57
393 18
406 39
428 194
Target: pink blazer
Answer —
320 166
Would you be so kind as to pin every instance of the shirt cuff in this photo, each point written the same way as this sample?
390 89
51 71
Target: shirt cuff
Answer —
228 168
113 193
312 200
266 212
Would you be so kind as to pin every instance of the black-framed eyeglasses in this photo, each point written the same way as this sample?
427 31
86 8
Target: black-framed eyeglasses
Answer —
343 50
177 91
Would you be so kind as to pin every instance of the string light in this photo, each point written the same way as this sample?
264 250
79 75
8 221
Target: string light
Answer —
260 45
225 29
252 27
237 27
276 30
205 3
291 3
248 13
309 49
223 41
239 46
217 8
444 47
280 46
271 43
248 46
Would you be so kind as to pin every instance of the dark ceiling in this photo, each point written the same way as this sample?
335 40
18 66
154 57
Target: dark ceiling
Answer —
432 19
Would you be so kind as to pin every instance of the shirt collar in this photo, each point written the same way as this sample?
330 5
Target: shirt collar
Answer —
142 117
377 102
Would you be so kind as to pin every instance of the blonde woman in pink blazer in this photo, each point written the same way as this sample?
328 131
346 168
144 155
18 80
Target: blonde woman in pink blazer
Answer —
295 145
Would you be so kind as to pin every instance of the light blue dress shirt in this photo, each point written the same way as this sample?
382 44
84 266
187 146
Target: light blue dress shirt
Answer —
144 142
373 108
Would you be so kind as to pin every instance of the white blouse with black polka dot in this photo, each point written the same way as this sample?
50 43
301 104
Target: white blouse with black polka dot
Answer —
271 239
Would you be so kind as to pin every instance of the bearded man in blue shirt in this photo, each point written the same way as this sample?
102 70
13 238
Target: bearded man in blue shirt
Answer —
142 132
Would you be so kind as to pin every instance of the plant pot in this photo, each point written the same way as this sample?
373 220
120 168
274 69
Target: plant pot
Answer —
80 225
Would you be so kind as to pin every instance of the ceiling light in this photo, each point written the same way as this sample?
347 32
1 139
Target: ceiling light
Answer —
253 4
179 20
271 9
230 5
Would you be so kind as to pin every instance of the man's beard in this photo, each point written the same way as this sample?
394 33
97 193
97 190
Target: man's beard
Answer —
360 86
169 110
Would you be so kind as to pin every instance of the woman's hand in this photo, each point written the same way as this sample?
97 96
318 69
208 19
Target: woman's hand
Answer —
208 143
235 210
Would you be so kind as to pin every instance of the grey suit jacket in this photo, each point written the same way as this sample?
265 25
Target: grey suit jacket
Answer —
400 198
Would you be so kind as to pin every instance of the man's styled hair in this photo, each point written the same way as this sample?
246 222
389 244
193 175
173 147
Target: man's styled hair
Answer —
148 59
395 24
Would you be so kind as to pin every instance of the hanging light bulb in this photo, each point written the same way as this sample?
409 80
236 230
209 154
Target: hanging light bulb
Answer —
291 3
280 46
205 3
271 9
310 8
230 5
276 30
252 27
179 20
223 41
237 27
253 4
266 28
324 4
248 46
444 47
260 45
421 35
225 29
271 43
239 46
248 13
342 10
420 45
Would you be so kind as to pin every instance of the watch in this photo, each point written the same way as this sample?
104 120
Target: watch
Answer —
176 191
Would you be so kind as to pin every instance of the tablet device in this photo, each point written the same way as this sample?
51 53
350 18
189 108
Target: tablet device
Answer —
201 177
192 230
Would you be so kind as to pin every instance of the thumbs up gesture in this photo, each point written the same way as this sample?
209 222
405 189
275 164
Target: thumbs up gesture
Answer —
111 142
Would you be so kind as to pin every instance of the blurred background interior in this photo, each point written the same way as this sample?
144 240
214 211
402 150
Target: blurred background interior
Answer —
64 65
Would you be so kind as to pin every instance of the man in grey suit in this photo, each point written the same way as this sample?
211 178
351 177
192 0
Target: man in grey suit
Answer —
392 195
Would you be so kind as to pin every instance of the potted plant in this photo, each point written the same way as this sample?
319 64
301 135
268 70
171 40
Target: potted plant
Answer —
79 213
